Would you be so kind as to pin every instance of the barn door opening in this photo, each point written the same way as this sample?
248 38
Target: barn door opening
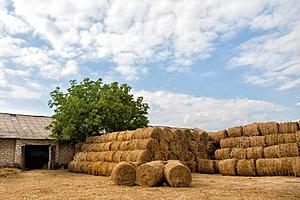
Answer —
36 157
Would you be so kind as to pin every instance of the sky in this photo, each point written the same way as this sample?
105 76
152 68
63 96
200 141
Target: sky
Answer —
211 64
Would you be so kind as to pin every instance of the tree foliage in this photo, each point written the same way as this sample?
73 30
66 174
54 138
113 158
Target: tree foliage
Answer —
88 107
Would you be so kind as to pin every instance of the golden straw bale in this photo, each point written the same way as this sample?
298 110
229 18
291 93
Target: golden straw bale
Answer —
104 169
257 141
167 134
118 156
240 142
108 156
217 136
195 136
140 156
194 147
269 128
206 166
276 139
110 168
211 147
181 155
238 153
112 136
93 139
161 155
192 165
272 152
100 147
95 166
296 166
189 156
270 167
71 166
289 150
251 130
177 175
107 146
179 135
80 156
204 136
171 156
121 136
150 174
288 127
298 136
228 167
125 155
175 147
124 173
125 145
88 147
216 165
246 167
287 163
255 152
146 144
187 134
184 145
150 132
235 131
221 154
90 155
164 145
89 168
115 146
84 166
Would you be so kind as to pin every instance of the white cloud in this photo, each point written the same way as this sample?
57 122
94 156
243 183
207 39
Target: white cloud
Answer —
19 92
181 110
70 68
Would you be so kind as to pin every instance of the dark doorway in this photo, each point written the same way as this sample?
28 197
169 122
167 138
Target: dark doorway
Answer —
36 157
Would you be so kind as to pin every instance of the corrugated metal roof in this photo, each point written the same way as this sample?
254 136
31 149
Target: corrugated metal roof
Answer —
24 126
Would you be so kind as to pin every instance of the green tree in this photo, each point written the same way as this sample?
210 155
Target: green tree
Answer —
89 107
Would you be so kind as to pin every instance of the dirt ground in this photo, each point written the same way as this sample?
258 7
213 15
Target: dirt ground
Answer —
61 184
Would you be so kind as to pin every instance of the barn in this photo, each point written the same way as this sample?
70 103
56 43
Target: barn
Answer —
26 144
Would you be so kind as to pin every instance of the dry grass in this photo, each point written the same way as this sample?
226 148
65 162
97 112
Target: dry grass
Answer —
9 172
44 184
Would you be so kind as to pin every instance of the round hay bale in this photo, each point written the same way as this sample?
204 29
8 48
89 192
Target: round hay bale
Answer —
211 147
95 167
181 155
288 150
89 168
115 146
251 130
124 173
177 175
93 139
89 156
103 170
189 156
187 134
206 166
216 164
121 136
84 166
125 145
100 147
179 135
118 156
108 156
150 174
110 168
276 139
80 156
296 166
235 131
147 144
161 155
95 156
88 147
269 167
287 164
192 165
239 142
257 141
125 155
194 147
140 156
288 127
112 136
171 156
217 136
246 167
150 132
272 152
195 135
221 154
228 167
167 134
175 147
269 128
298 136
204 136
71 166
238 153
164 145
255 152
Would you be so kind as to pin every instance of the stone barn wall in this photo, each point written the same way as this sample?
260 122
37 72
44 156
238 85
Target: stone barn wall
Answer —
7 152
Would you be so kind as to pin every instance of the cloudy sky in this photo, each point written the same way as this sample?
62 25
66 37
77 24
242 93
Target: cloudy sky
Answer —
208 64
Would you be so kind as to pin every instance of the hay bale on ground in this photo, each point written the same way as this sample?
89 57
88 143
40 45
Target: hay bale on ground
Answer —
270 167
167 134
211 147
235 131
296 166
124 173
246 167
80 156
150 174
288 127
161 155
147 133
217 136
240 142
88 147
192 165
175 147
255 152
171 156
194 147
289 150
269 128
146 144
272 152
221 154
140 156
206 166
238 153
118 156
251 130
177 175
228 167
115 146
257 141
287 164
125 146
164 145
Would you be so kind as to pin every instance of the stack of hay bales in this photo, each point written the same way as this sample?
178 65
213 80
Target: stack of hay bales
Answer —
141 146
262 149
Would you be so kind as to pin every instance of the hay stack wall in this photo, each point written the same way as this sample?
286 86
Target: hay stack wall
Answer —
264 149
141 146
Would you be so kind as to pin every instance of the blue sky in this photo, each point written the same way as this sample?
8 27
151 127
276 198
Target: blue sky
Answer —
206 64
